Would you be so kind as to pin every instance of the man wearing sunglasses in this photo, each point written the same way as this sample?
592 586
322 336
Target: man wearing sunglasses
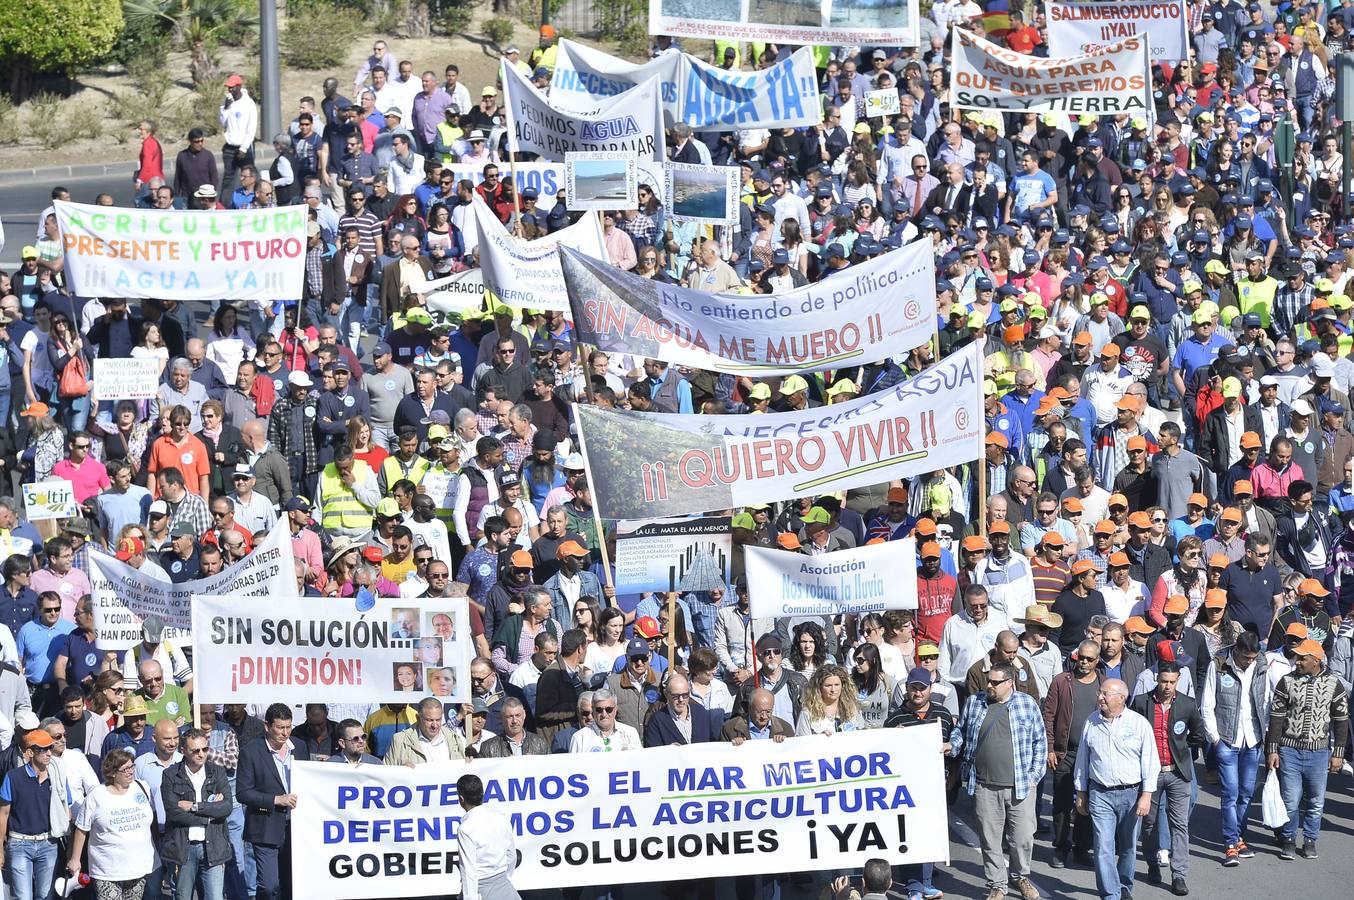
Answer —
604 734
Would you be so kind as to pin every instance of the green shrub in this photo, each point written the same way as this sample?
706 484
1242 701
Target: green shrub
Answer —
58 35
453 18
44 120
10 132
499 30
88 118
318 35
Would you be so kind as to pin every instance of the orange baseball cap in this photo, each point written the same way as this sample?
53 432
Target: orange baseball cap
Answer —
1297 630
1176 605
571 548
1127 401
1309 647
1052 539
1105 526
1219 561
1137 625
999 527
897 495
974 543
1243 488
788 540
1198 500
1249 439
996 438
1083 338
1140 519
931 549
925 526
1082 566
1047 405
1215 599
1073 504
1118 500
1119 560
1313 588
1137 442
521 559
1060 393
1231 514
1110 350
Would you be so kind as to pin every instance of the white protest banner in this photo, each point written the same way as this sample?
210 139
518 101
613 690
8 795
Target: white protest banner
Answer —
891 23
884 307
705 194
600 181
663 464
527 273
655 554
705 97
632 122
454 293
303 650
701 811
1112 80
859 580
129 378
246 254
53 499
1077 28
123 596
882 103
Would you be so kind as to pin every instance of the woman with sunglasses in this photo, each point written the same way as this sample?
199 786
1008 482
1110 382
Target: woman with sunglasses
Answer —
872 686
117 822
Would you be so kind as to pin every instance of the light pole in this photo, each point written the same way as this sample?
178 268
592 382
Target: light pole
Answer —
270 76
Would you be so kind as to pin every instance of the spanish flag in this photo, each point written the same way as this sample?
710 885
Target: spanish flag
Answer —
997 19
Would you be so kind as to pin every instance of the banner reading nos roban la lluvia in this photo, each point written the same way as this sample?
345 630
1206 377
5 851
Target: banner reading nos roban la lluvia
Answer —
657 464
700 811
123 597
705 97
1112 80
885 307
225 254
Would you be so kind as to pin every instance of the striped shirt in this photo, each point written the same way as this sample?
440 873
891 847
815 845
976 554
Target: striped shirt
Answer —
1049 580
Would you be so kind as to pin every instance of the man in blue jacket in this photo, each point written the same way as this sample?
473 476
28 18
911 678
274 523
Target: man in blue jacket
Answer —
681 722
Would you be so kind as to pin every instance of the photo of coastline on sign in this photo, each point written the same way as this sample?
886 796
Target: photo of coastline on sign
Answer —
702 193
600 180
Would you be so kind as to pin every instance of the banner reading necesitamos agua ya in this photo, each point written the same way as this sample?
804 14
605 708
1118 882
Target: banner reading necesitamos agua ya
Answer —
700 811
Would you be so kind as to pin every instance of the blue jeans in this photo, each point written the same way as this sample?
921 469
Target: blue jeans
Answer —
30 869
916 876
213 877
1236 772
1114 824
239 871
1302 781
159 882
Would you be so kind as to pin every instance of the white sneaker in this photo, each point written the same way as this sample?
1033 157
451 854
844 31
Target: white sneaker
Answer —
1163 857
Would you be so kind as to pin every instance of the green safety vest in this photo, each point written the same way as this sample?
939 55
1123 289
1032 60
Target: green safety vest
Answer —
1257 297
342 510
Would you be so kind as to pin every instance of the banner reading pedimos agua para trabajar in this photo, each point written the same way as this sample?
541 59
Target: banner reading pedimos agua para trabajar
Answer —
224 254
303 650
881 308
700 811
1077 28
857 580
657 464
123 596
1115 79
631 122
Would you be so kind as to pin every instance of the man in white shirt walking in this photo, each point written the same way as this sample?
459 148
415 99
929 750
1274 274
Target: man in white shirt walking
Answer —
239 118
487 845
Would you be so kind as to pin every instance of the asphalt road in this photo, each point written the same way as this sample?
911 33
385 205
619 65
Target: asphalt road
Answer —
21 203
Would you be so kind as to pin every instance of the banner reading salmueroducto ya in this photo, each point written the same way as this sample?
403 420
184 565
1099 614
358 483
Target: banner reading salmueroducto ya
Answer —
223 254
662 464
701 811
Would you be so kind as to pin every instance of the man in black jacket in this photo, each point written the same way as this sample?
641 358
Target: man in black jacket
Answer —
1300 534
268 801
1220 428
197 802
1179 731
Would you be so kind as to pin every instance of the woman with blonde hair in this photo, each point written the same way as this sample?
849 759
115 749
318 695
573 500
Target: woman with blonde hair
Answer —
829 703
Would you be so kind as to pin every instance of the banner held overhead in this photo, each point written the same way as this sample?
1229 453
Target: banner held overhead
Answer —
859 580
656 464
1110 81
891 23
631 122
1077 28
527 273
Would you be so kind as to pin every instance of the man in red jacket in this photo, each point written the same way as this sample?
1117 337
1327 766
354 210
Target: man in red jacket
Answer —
936 591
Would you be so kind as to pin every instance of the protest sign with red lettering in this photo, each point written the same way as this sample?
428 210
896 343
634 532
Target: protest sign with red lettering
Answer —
884 307
1077 28
657 464
1111 80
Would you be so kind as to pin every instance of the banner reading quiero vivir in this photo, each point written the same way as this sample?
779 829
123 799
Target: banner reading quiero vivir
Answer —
1077 28
885 307
703 96
304 650
700 811
123 596
632 122
859 580
527 273
663 464
1111 80
226 254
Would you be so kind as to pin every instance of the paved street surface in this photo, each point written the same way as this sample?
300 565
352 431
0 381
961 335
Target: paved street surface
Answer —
21 204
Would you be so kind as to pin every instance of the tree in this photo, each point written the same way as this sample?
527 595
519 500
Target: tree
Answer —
39 36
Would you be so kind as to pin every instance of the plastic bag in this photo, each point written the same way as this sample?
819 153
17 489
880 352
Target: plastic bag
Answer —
1273 811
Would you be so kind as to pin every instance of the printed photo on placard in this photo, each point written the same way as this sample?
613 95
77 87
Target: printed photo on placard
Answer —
600 180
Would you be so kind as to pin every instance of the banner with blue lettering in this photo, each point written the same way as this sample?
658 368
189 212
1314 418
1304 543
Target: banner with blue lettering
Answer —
857 580
222 254
881 308
644 464
712 810
632 122
703 96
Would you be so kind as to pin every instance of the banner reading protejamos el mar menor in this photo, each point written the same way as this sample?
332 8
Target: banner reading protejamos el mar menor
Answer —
705 97
1077 28
657 464
1113 79
885 307
224 254
700 811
